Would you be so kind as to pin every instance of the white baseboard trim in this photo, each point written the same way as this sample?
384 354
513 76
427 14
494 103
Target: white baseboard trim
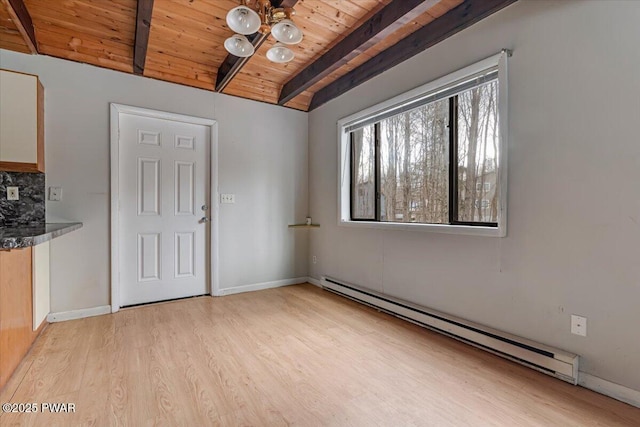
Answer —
78 314
315 282
616 391
261 286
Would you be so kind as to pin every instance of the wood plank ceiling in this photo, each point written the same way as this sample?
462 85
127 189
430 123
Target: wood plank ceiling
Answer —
10 37
184 41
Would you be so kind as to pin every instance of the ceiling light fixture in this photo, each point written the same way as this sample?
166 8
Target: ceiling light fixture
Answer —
280 54
260 15
239 45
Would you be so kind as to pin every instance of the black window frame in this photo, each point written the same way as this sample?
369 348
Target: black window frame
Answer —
452 177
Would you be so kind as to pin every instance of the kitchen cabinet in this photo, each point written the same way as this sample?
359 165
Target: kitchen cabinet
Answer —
21 122
24 303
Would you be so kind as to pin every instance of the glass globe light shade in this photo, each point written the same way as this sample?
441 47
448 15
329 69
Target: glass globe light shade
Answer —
243 20
239 46
287 32
280 54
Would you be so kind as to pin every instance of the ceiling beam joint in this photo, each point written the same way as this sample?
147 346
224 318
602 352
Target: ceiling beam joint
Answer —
21 18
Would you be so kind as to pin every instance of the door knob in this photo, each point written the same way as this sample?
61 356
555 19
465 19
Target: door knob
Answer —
204 219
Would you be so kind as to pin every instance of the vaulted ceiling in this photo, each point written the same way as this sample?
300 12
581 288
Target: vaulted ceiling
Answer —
346 42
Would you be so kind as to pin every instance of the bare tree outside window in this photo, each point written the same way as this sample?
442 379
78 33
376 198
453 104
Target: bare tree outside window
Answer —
478 154
414 165
434 164
363 173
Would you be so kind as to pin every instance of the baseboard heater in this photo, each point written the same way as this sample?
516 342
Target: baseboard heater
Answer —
540 357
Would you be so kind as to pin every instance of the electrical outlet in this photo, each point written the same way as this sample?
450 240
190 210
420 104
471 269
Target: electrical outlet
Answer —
314 259
55 194
227 198
13 193
579 325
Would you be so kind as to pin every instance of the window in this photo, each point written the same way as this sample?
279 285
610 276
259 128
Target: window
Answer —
413 170
431 156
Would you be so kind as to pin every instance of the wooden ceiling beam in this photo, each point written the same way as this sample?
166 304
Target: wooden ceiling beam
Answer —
232 64
466 14
21 18
143 27
383 23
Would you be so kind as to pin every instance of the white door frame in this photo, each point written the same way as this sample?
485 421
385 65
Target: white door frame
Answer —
116 110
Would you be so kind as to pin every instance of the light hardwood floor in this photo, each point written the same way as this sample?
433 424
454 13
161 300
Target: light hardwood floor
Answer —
296 355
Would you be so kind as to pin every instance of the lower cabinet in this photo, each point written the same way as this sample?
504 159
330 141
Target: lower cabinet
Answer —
24 303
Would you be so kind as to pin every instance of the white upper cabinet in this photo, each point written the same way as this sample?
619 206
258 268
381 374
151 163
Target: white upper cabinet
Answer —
21 122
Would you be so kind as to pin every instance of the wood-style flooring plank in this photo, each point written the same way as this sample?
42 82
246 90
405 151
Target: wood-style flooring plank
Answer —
289 356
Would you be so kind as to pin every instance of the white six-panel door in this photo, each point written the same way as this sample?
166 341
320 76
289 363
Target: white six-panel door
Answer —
164 176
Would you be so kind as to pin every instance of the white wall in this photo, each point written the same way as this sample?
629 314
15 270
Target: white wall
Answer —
262 160
574 188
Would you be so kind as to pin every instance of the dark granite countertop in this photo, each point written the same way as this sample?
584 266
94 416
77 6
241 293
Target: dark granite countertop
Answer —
22 236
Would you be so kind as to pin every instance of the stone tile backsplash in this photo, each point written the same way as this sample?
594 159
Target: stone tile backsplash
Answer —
30 208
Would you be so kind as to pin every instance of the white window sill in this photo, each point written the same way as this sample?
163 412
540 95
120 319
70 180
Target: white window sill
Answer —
431 228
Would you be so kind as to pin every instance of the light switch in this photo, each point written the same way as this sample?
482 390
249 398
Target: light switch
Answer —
55 194
227 198
12 193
